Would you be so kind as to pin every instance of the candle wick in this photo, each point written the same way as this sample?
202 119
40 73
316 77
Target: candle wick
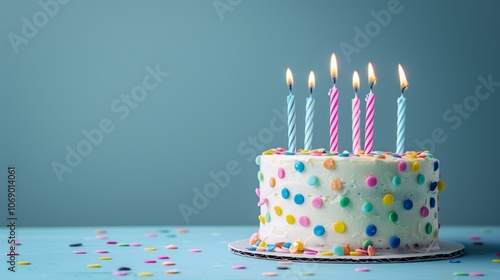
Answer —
403 90
371 85
334 81
290 88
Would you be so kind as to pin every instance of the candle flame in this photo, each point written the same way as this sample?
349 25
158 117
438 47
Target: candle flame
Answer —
355 81
289 79
402 78
372 79
312 81
333 67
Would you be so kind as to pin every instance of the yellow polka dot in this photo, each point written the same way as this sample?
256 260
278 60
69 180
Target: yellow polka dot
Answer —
272 182
441 186
415 166
339 227
388 199
329 163
336 184
262 219
278 210
290 219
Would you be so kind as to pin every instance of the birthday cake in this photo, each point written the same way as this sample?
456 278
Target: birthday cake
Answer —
347 204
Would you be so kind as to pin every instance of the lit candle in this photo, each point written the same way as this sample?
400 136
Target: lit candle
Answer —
370 111
334 104
400 142
292 146
355 114
309 114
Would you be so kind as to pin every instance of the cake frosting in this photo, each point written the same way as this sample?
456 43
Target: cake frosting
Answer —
318 201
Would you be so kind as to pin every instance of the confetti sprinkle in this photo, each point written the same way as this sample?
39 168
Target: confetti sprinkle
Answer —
150 235
460 273
285 262
168 263
476 274
282 267
123 268
79 252
150 261
149 249
477 243
496 260
361 269
307 273
135 244
101 237
144 274
104 258
239 267
94 265
23 263
171 247
172 271
194 250
101 251
182 230
474 237
100 231
119 273
269 274
75 245
111 242
454 261
163 257
122 245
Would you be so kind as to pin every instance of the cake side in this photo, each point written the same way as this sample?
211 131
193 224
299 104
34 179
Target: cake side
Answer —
388 201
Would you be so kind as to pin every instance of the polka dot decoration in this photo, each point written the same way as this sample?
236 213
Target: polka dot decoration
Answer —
344 202
285 193
420 179
298 199
290 219
329 163
441 186
268 217
272 182
407 204
319 230
436 165
304 221
388 199
312 180
415 166
260 176
396 181
402 166
262 219
371 181
281 173
299 166
433 186
339 227
371 230
394 242
393 217
424 211
432 202
336 184
367 207
317 202
257 160
278 210
428 228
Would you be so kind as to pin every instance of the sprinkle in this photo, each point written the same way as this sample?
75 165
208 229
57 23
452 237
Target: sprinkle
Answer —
119 273
150 261
100 231
262 202
101 237
257 192
362 251
476 274
135 244
167 263
474 237
282 267
307 273
354 253
172 271
150 235
370 250
361 269
477 243
454 261
285 262
144 274
104 258
194 250
122 244
95 265
239 267
123 268
460 274
23 263
149 249
101 251
269 274
163 257
75 245
12 254
111 242
496 260
270 247
79 252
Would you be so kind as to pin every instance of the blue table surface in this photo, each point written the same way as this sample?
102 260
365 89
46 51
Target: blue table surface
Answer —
51 257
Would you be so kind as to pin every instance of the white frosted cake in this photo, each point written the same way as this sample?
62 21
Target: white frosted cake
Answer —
341 204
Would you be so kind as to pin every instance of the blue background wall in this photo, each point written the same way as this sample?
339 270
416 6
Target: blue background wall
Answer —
70 66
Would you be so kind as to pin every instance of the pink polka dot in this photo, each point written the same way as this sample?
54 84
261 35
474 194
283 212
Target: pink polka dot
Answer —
424 211
371 181
304 221
402 166
281 173
317 202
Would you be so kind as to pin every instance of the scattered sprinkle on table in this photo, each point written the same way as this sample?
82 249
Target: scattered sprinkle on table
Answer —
100 231
101 237
476 274
122 244
269 274
497 254
79 252
75 244
171 247
149 249
486 230
17 243
23 263
172 271
239 267
101 251
496 260
171 235
454 261
149 261
165 230
477 243
168 263
474 237
144 274
194 250
361 269
135 244
105 258
307 273
282 267
111 242
285 262
182 230
123 268
326 253
150 235
163 257
119 273
93 265
460 274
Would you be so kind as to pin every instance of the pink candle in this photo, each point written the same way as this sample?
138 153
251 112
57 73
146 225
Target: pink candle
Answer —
370 111
334 104
355 115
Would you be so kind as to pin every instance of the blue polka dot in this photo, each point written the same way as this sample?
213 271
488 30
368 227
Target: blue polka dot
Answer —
371 230
298 198
407 204
436 165
312 180
395 241
396 181
319 230
287 244
285 193
432 202
299 166
433 186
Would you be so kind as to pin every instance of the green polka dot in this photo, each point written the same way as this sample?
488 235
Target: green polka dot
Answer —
367 207
268 217
396 181
393 217
344 201
421 179
257 160
428 228
260 176
366 244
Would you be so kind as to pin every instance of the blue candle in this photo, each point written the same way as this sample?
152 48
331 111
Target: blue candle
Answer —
292 145
400 142
309 114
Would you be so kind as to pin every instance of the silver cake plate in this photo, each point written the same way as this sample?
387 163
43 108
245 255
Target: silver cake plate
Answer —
448 250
